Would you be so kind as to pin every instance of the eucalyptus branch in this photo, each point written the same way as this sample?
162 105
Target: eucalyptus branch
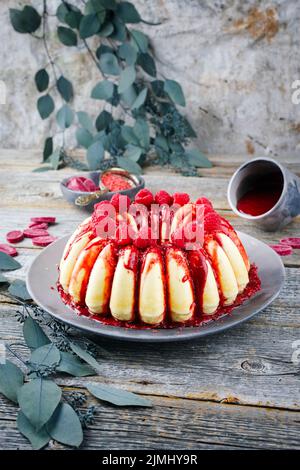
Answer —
126 56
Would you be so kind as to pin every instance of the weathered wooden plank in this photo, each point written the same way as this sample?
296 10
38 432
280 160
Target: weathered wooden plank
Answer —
29 159
251 364
210 426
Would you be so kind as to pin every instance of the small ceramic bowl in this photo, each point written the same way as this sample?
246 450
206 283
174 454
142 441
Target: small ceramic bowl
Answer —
71 195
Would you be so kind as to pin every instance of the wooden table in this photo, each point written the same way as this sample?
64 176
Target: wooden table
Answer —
239 389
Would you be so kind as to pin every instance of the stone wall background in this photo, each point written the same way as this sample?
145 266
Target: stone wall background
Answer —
236 60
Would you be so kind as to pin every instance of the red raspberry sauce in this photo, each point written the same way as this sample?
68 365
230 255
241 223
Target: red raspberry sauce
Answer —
257 202
115 182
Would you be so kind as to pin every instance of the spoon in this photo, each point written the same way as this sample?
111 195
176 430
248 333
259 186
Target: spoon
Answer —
88 198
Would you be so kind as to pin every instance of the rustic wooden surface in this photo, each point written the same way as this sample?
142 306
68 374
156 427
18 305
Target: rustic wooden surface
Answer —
238 389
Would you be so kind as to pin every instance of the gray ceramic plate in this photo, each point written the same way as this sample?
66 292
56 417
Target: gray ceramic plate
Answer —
43 274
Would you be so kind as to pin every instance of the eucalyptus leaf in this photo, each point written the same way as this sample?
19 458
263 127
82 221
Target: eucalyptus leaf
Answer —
103 90
103 120
139 40
95 155
95 6
69 14
109 64
47 355
3 279
119 32
38 439
117 396
27 20
65 117
55 159
85 121
48 148
65 88
197 159
189 129
84 137
62 11
161 145
133 152
174 90
45 105
129 135
73 19
72 365
106 29
42 80
109 4
85 356
129 96
65 426
103 49
127 78
128 13
140 100
33 334
128 53
18 289
89 25
42 169
11 380
7 263
142 131
38 400
67 36
147 63
103 138
129 165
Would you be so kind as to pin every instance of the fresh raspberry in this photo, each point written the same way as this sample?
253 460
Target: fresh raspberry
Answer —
122 235
177 238
162 197
206 210
212 222
100 204
143 238
120 202
204 201
145 197
181 198
102 210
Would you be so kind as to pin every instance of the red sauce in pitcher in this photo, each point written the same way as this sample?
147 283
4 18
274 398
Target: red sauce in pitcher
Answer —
261 198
